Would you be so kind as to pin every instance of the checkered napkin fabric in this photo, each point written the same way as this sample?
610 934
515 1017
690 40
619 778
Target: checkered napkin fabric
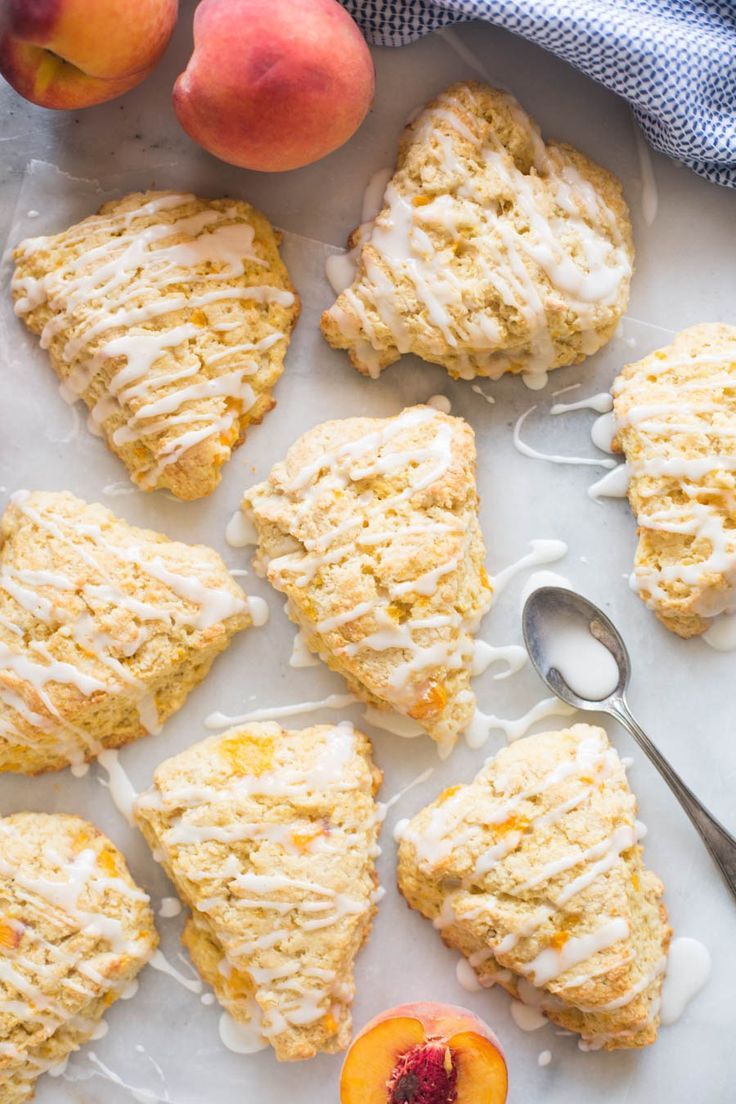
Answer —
673 60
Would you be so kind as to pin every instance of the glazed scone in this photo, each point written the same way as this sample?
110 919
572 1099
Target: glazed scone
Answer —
675 414
534 873
493 252
370 528
104 628
75 930
170 316
269 837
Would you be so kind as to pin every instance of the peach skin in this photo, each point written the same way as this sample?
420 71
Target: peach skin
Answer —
75 53
424 1054
274 84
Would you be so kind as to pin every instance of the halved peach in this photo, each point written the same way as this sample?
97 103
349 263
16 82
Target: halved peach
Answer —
424 1054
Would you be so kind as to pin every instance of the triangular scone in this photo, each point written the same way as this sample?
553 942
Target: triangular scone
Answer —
170 316
675 415
104 628
74 932
370 528
493 252
270 839
534 873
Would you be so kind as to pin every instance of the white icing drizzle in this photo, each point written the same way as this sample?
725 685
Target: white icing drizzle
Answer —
467 976
683 441
649 196
159 962
416 642
601 403
258 609
485 655
420 779
242 1038
169 907
131 261
480 728
614 484
300 653
553 458
79 878
415 242
396 723
122 791
39 591
526 1016
240 531
479 391
541 552
440 402
332 701
303 995
721 635
373 195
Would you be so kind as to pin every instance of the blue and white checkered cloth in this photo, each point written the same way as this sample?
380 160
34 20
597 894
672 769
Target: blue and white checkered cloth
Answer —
673 60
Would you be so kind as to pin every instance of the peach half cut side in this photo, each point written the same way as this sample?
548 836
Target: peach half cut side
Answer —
424 1054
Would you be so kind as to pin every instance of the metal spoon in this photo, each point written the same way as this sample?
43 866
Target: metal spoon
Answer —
541 609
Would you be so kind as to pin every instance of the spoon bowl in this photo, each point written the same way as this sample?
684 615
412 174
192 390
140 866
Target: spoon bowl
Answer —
553 619
550 606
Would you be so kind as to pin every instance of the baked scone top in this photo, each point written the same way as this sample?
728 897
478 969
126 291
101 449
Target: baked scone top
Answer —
675 414
370 527
74 931
104 628
534 872
270 838
493 252
170 316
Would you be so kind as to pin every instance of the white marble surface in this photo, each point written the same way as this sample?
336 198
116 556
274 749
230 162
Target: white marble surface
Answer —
165 1041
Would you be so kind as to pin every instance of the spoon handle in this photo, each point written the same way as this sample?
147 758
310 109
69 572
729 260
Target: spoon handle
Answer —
719 842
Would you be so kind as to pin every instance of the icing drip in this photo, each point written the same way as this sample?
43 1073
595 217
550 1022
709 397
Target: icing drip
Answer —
480 728
553 458
332 701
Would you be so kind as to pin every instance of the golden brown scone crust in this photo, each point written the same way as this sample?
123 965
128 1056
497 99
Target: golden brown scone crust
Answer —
270 838
370 528
74 932
533 873
493 252
170 316
104 628
676 423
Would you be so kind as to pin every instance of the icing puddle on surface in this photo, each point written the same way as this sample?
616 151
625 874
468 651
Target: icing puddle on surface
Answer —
688 969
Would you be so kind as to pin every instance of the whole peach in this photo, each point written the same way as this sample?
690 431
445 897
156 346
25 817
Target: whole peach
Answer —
274 84
75 53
